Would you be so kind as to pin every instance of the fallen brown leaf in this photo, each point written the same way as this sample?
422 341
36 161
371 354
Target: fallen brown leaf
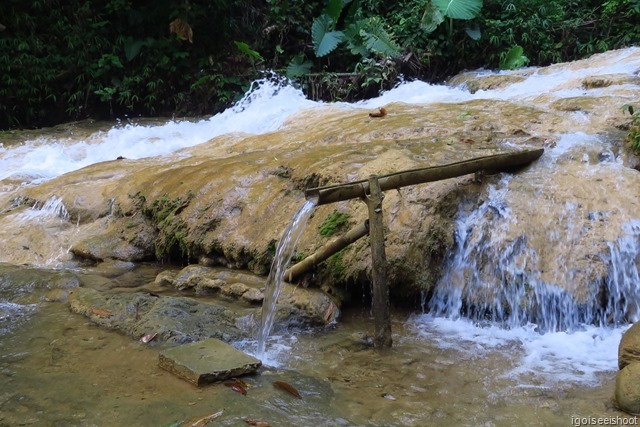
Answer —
101 312
149 337
256 422
382 112
287 387
237 389
329 312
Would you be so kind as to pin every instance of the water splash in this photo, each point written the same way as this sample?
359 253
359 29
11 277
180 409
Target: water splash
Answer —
281 260
54 206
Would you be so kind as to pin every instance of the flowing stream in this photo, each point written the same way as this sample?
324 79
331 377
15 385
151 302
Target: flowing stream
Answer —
522 327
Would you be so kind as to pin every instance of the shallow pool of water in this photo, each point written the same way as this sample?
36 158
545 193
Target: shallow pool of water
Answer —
57 368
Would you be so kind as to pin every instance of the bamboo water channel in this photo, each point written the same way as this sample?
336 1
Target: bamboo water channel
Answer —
371 192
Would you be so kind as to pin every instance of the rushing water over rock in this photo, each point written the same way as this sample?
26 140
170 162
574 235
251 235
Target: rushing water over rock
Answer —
494 276
284 253
552 248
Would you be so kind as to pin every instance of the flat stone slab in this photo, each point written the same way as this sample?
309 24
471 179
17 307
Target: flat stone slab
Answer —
207 361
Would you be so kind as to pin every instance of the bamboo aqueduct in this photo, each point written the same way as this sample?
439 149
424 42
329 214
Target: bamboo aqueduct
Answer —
371 192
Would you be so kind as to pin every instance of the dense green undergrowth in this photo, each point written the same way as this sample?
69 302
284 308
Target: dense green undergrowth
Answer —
103 59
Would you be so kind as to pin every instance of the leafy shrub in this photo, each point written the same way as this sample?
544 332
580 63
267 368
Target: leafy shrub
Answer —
633 137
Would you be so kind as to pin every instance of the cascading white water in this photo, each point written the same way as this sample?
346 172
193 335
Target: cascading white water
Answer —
491 276
623 281
264 108
54 206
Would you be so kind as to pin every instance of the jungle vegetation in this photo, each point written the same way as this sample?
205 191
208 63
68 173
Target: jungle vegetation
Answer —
104 59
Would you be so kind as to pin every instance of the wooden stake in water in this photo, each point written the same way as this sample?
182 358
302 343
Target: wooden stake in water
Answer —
380 303
281 260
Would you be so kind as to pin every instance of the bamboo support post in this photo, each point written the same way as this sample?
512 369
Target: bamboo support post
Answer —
326 251
380 300
358 189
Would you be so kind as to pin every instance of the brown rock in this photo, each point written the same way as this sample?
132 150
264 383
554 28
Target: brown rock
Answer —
629 348
234 290
628 389
253 296
165 278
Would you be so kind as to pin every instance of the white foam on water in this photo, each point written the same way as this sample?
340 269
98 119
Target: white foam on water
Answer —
541 360
11 314
263 109
538 81
278 351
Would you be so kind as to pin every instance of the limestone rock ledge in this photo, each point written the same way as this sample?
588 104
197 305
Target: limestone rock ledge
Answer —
297 306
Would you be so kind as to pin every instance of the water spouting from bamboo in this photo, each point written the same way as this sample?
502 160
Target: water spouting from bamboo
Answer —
281 260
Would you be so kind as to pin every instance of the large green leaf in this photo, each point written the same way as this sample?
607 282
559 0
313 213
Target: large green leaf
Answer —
355 42
431 18
378 40
459 9
514 58
333 9
244 48
298 66
324 39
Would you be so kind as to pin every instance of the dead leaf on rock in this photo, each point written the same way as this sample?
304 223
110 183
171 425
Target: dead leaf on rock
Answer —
101 312
381 113
182 29
329 312
149 337
257 422
288 388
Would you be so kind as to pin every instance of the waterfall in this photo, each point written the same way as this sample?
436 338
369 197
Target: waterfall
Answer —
492 276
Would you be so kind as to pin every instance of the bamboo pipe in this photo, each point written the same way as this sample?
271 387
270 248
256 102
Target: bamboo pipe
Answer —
330 248
358 189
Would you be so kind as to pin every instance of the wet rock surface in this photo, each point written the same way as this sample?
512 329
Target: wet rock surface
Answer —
174 208
207 361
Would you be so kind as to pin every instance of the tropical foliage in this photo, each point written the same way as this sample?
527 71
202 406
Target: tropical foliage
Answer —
125 58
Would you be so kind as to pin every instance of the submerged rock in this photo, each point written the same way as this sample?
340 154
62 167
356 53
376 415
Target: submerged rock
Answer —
175 319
